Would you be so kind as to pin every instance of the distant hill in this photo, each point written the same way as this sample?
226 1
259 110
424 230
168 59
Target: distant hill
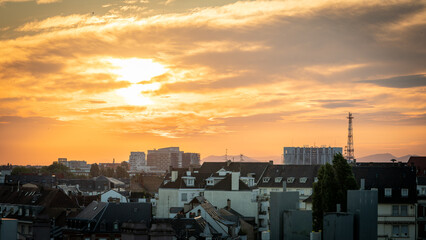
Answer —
383 157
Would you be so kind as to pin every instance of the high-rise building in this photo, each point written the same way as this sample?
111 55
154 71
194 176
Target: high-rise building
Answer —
190 159
163 158
310 155
137 161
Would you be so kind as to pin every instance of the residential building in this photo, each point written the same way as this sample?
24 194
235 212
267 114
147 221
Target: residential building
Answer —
39 180
420 163
105 220
297 178
137 161
397 194
163 158
28 204
190 159
114 197
310 155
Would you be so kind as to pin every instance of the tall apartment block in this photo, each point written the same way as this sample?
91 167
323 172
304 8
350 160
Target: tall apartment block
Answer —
137 161
310 155
190 159
162 158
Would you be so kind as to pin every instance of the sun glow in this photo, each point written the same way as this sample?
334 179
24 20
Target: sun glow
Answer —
136 71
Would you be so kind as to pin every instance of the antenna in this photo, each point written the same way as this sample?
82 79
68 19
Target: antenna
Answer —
226 154
350 147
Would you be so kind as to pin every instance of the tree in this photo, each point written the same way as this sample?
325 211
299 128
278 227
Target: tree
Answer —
94 170
109 172
345 179
24 170
125 165
56 169
121 172
331 189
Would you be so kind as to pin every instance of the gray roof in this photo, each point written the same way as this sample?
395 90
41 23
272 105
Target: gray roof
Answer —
298 172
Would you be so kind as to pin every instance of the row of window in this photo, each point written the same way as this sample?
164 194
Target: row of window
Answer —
289 179
399 230
388 192
399 210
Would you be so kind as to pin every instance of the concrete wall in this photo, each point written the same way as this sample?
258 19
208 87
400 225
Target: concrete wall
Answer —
279 202
338 226
8 228
386 221
363 204
297 224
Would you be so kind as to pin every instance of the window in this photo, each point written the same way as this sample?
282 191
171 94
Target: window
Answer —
395 230
395 210
404 192
266 179
404 230
303 179
278 179
388 192
290 179
404 210
184 197
115 225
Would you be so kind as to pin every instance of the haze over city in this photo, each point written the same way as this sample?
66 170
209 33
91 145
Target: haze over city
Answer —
94 80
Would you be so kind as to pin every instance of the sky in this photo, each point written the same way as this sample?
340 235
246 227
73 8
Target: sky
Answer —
94 80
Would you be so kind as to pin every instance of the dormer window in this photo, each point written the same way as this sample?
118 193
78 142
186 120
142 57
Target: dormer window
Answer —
278 179
290 179
404 192
189 181
388 192
266 179
210 182
303 179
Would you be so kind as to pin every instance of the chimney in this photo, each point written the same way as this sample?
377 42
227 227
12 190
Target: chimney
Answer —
337 207
228 204
170 168
191 168
271 162
284 186
174 175
228 163
235 181
362 184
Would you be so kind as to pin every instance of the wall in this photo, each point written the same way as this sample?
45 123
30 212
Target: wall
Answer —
241 201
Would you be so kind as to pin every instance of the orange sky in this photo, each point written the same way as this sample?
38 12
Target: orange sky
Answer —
95 80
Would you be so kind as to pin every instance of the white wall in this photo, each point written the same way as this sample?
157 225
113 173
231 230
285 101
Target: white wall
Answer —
241 201
113 194
170 197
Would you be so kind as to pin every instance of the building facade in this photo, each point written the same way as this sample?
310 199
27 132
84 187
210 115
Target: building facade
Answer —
190 159
137 161
310 155
163 158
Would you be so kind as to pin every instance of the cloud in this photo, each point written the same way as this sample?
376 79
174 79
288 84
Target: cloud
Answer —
410 81
37 1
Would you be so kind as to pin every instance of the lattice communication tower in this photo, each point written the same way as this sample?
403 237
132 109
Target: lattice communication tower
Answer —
350 147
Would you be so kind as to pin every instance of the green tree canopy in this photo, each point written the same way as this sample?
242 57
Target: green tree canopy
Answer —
56 169
24 170
331 189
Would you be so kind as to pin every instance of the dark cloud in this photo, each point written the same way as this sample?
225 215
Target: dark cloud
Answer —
409 81
333 103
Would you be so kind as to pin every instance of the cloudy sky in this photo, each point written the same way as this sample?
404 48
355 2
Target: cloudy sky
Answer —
94 80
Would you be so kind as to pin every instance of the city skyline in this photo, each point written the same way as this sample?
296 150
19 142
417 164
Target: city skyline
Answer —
96 80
